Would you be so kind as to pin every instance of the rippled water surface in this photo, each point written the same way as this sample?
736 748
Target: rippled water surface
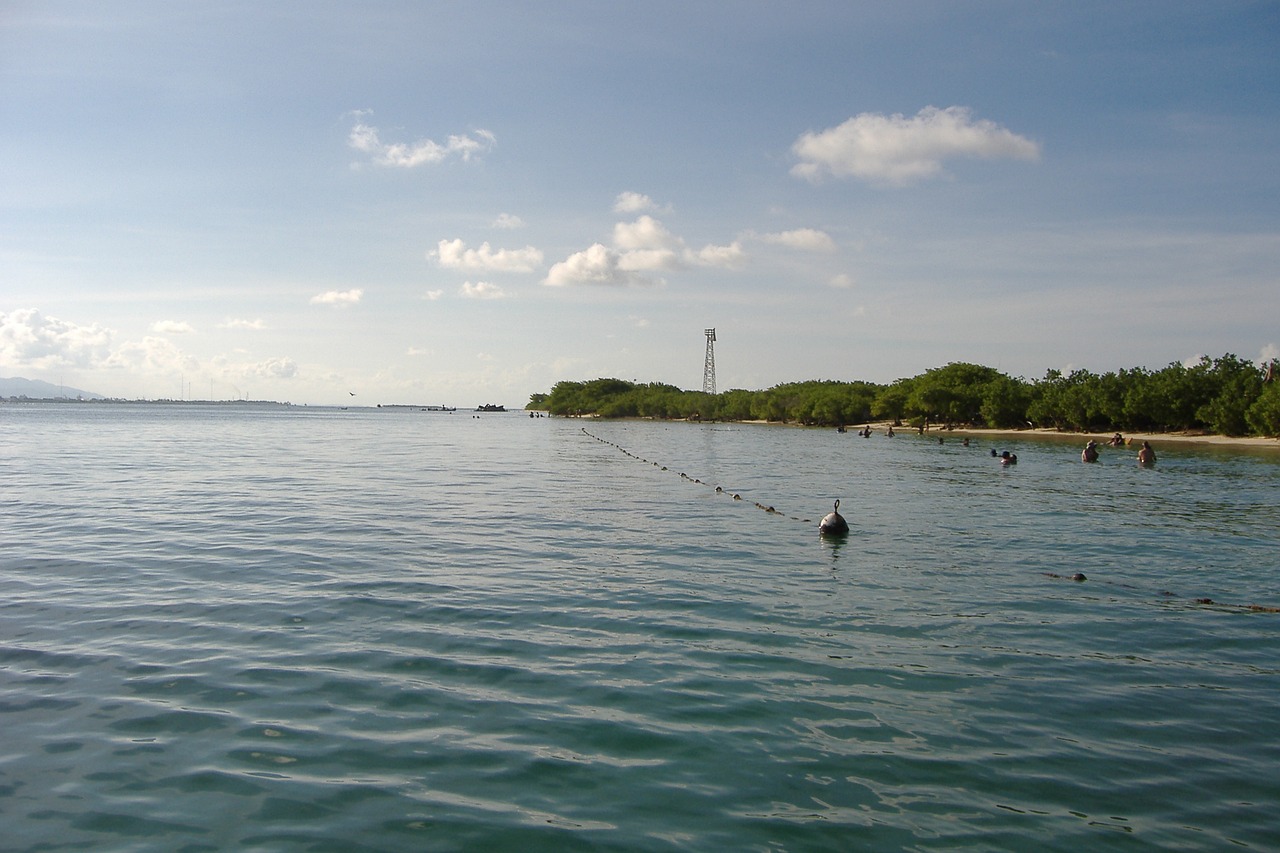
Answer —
253 628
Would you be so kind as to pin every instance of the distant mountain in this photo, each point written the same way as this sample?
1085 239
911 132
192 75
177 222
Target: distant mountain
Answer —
36 389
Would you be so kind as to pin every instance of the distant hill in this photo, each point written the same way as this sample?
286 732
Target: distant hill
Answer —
36 389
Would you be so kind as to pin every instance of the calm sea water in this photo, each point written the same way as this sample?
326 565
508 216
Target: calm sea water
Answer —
228 627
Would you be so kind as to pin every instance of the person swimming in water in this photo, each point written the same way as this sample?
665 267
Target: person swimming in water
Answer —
1090 452
1146 456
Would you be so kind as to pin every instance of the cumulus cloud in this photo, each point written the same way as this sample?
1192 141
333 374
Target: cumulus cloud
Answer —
433 295
648 260
367 139
595 265
896 150
252 325
639 247
150 355
454 254
338 297
171 327
29 338
280 367
630 202
645 233
481 290
809 239
716 256
276 367
843 281
507 220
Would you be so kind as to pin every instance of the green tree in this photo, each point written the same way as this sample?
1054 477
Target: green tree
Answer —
1004 403
1236 385
951 394
891 401
1060 401
1263 416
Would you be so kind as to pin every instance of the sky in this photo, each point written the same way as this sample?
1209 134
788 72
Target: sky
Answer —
457 203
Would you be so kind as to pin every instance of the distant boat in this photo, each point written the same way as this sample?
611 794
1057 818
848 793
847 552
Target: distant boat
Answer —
490 407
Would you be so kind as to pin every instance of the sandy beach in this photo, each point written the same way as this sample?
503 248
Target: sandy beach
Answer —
1134 439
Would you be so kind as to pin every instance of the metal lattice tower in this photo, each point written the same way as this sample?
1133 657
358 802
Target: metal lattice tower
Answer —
709 365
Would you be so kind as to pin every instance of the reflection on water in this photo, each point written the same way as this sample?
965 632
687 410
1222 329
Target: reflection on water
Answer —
290 629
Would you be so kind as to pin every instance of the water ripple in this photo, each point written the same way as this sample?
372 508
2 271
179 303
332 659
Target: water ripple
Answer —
328 631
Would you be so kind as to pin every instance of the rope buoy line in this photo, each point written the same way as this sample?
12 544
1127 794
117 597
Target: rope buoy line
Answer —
1202 602
719 490
1078 577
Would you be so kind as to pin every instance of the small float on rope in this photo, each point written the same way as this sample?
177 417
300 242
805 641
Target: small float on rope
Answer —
833 523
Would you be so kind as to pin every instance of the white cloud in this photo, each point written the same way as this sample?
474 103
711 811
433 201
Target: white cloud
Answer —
277 367
433 295
630 202
843 281
507 220
171 327
338 297
645 233
253 325
648 260
897 150
366 139
280 367
642 246
809 239
595 265
481 290
151 355
29 338
454 254
716 256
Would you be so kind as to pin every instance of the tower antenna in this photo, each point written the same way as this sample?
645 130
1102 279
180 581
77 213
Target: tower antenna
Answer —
709 365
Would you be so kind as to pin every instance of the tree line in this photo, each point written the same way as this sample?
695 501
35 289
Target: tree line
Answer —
1226 396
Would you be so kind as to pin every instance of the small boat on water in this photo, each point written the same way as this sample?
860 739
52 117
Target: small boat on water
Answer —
490 407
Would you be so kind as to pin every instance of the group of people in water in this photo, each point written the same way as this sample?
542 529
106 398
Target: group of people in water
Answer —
1146 456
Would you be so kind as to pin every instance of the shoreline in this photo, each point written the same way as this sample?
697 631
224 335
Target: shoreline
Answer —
1134 439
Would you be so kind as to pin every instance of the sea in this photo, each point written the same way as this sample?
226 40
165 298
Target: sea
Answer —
289 628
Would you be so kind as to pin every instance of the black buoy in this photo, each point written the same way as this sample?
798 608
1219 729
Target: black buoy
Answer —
833 524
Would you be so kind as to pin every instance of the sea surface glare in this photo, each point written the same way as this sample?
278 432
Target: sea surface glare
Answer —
237 627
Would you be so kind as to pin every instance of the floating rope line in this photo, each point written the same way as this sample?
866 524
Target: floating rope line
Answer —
719 490
1078 577
1200 602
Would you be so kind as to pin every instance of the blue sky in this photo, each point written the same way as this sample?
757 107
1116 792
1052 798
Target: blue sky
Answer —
466 202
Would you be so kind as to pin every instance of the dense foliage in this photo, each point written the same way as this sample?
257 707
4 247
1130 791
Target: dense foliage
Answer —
1226 395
